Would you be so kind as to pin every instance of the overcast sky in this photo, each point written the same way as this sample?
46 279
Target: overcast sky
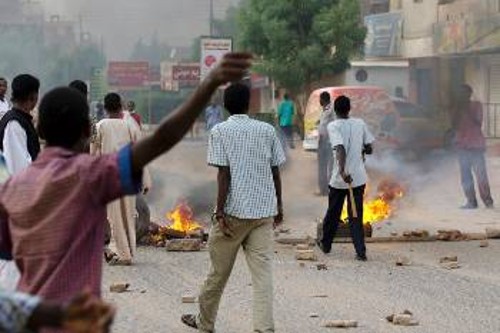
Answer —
123 22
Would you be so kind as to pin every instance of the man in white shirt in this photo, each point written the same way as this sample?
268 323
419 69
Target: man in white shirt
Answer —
4 103
18 137
350 140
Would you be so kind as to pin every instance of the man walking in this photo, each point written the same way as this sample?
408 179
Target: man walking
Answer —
4 103
324 148
286 112
18 137
247 154
471 145
350 140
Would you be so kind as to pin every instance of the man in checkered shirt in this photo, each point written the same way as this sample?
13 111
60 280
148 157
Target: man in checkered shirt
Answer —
248 154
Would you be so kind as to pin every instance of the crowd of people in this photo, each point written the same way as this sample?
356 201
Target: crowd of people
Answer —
70 184
55 205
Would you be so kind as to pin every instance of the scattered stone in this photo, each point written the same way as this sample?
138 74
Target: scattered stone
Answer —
390 318
492 233
450 235
302 264
322 267
313 315
302 247
448 259
408 312
394 234
404 320
144 291
406 233
276 234
188 299
403 261
451 265
319 296
309 255
184 245
341 324
420 233
484 243
284 231
119 287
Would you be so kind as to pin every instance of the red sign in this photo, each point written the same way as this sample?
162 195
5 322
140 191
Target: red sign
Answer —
186 73
128 74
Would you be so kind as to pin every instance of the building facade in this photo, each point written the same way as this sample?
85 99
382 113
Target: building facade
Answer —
447 43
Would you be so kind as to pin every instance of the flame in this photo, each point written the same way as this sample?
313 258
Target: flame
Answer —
383 205
182 218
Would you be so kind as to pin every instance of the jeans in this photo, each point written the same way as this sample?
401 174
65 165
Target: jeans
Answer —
473 161
331 221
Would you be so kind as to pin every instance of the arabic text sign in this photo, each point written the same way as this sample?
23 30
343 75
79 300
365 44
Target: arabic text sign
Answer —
186 73
212 51
128 74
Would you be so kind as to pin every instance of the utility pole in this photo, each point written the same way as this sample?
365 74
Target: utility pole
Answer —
212 32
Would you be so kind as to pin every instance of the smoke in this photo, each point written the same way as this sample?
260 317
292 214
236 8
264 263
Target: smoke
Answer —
122 23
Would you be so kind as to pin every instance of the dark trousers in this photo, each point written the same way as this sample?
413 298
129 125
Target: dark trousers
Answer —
325 161
473 161
288 131
331 222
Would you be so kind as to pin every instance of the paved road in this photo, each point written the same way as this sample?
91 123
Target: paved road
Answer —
459 301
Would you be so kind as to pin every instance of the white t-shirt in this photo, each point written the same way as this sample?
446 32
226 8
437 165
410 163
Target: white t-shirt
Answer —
353 134
4 107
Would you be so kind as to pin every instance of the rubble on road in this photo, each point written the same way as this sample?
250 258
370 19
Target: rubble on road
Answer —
341 324
448 259
419 233
484 243
492 233
451 235
451 265
322 267
188 299
449 262
183 245
119 287
402 319
403 261
308 255
302 247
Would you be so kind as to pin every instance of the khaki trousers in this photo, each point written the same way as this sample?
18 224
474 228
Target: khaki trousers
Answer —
255 237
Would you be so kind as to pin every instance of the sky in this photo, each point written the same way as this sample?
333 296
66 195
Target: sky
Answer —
122 22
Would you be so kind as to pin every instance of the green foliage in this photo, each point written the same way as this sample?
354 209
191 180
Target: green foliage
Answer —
301 41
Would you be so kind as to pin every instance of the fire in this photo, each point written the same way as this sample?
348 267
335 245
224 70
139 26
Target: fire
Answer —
382 206
182 218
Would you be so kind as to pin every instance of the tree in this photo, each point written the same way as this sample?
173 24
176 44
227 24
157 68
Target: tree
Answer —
299 41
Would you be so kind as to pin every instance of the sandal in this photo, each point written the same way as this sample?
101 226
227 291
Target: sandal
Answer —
189 320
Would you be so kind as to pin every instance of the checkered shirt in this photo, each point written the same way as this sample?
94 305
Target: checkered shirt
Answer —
15 311
249 148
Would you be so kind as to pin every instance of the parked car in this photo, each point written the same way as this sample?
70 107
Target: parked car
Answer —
396 123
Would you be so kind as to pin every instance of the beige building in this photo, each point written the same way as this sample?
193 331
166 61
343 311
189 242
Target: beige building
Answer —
447 43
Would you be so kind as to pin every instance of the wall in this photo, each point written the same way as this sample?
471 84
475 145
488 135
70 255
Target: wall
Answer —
419 19
386 77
